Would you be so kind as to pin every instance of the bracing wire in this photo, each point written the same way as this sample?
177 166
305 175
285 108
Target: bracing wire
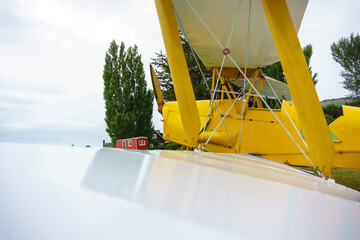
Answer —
204 79
249 82
246 58
282 106
267 105
222 119
212 100
192 50
233 25
247 37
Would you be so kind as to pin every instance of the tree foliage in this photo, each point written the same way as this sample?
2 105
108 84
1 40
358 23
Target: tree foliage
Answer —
128 103
330 111
276 71
346 52
355 102
162 69
200 89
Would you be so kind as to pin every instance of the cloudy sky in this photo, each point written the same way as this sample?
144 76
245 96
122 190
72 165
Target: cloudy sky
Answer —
52 56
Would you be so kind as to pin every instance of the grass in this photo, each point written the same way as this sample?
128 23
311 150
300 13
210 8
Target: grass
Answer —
345 176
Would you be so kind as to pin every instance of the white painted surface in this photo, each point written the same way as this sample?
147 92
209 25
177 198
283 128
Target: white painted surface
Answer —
268 87
219 17
52 192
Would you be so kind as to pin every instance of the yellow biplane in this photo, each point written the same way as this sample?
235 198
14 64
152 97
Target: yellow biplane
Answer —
234 46
63 192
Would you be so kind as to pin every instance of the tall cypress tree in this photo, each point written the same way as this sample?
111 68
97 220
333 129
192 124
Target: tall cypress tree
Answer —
128 102
111 76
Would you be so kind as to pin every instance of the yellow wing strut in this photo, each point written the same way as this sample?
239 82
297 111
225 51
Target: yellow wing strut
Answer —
300 83
157 90
179 71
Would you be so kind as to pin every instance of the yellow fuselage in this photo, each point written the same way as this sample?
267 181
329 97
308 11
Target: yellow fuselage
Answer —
259 133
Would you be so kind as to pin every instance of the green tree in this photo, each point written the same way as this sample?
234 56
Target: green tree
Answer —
172 146
128 103
200 89
330 111
276 71
162 69
346 52
353 102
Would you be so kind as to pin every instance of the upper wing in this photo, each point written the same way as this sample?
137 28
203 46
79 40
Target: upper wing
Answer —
220 17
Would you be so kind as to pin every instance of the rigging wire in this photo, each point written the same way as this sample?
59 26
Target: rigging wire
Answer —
222 64
215 90
249 82
192 50
222 119
247 38
233 25
267 105
282 106
246 58
204 79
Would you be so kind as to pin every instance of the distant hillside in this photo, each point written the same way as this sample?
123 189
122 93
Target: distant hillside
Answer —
336 101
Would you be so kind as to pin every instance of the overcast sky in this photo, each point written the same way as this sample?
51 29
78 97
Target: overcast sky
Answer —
52 56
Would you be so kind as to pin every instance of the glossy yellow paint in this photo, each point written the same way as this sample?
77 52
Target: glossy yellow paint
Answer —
225 84
173 126
300 84
263 135
230 87
257 100
179 71
157 90
257 73
213 81
346 128
234 73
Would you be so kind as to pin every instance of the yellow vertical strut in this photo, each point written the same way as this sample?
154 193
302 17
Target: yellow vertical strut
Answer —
231 88
300 83
246 106
224 84
213 82
179 71
257 99
157 90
